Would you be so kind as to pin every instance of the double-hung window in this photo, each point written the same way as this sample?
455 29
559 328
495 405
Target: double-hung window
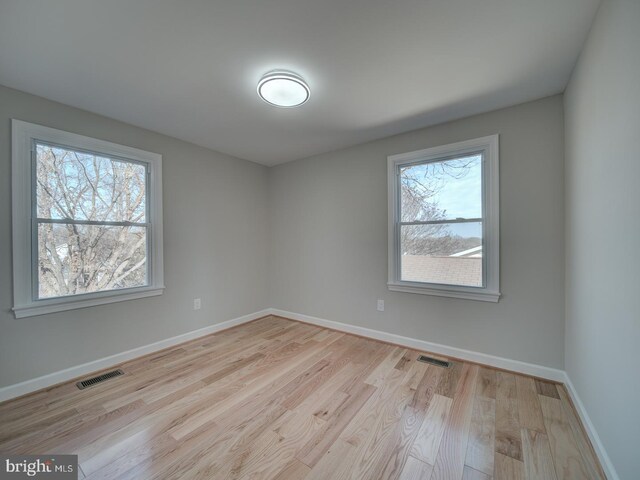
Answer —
87 221
444 220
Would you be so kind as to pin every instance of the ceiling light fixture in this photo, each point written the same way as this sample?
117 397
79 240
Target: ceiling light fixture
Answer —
283 89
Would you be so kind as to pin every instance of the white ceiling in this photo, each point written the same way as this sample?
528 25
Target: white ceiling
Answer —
189 68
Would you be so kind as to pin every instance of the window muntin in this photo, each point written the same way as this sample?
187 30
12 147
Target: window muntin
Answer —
444 220
91 233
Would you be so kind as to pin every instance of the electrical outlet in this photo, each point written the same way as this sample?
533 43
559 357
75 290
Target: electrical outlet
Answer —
197 304
380 305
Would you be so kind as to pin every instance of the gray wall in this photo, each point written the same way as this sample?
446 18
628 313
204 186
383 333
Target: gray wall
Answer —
329 239
602 123
215 232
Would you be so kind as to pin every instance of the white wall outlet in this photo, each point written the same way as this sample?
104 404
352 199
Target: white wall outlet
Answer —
197 304
380 305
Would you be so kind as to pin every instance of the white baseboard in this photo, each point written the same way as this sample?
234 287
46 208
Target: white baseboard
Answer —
605 461
28 386
471 356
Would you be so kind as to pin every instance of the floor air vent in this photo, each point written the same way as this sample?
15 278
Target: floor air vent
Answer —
433 361
100 378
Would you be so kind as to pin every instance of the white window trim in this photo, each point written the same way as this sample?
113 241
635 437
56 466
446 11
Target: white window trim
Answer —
24 305
489 146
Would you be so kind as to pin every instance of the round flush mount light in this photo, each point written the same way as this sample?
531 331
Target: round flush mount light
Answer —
283 89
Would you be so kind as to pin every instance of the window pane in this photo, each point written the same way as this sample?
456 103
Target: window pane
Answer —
85 186
443 190
449 254
75 259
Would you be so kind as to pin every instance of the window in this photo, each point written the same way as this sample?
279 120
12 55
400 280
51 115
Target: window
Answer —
87 221
444 222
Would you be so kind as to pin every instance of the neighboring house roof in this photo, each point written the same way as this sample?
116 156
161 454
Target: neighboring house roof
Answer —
452 270
472 252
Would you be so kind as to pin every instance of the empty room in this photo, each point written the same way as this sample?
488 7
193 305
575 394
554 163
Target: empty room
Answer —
318 240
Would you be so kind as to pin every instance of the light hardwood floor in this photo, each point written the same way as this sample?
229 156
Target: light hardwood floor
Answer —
285 400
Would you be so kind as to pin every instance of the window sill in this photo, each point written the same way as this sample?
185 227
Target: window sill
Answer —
467 294
61 304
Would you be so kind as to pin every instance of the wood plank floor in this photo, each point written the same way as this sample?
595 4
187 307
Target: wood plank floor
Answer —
277 399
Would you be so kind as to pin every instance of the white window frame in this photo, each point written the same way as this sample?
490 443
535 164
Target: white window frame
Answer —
489 147
25 302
